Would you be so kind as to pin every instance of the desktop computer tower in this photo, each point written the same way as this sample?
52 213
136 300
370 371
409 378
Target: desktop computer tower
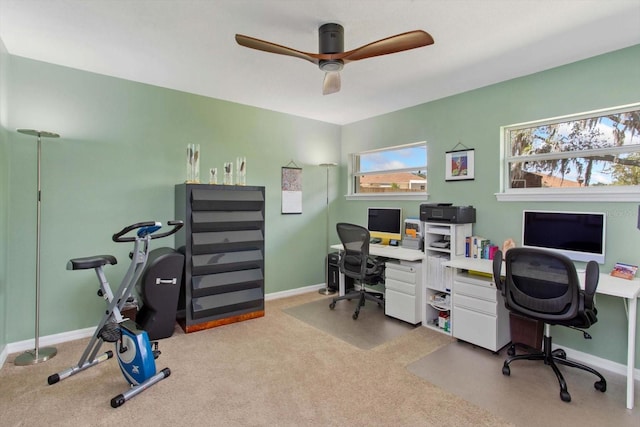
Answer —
333 267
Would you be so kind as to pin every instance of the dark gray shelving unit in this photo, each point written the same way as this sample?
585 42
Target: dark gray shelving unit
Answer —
223 243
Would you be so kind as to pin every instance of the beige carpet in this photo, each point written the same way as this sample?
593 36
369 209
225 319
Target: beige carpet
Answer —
530 396
371 329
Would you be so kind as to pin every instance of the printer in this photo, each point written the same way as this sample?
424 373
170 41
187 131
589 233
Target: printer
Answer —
445 212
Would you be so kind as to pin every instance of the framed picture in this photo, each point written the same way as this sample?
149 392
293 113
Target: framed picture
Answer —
459 165
291 190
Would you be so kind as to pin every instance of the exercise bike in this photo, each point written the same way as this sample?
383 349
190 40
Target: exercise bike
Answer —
133 348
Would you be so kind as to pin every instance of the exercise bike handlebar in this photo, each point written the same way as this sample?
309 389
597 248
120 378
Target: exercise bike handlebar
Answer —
153 227
177 225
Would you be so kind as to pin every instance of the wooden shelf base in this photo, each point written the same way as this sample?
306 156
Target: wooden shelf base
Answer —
219 322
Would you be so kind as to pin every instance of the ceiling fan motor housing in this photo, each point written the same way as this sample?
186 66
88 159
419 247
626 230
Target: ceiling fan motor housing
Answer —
331 40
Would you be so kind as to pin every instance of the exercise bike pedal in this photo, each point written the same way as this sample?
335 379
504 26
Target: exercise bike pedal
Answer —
110 332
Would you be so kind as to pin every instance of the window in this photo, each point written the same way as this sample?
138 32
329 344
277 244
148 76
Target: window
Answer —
580 157
390 172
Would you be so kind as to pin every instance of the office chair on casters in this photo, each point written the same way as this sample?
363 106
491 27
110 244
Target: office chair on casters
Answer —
356 263
543 285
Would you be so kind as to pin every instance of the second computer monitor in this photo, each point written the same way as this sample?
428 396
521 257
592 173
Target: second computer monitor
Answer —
385 223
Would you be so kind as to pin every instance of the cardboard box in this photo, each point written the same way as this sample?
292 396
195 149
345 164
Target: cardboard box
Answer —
443 321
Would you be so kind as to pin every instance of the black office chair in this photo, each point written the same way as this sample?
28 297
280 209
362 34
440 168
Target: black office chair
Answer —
544 286
356 263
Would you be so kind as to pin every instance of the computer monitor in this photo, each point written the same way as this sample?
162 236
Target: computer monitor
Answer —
385 223
578 235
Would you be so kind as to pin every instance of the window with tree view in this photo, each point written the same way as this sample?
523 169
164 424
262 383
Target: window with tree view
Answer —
590 150
390 171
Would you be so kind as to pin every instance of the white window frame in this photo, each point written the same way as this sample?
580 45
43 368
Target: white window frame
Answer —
629 193
353 174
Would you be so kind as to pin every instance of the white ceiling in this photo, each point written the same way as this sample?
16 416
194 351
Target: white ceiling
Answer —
189 45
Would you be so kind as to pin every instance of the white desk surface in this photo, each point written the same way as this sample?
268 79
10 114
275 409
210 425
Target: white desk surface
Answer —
396 252
607 284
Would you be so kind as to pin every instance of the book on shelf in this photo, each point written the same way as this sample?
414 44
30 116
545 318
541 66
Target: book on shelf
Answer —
492 251
472 245
624 271
479 247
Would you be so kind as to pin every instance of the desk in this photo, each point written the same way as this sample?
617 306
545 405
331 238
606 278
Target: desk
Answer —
607 285
403 281
393 252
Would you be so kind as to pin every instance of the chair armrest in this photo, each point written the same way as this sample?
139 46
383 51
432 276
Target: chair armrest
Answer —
373 260
497 268
375 265
591 278
592 275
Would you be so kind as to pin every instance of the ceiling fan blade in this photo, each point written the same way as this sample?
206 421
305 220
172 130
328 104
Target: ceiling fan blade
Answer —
331 83
266 46
393 44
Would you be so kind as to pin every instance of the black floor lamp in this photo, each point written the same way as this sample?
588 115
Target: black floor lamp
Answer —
327 290
37 355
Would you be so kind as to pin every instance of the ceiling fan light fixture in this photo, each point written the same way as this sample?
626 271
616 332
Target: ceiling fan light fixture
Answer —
331 65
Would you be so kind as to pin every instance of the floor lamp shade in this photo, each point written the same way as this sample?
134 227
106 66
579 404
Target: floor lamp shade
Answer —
38 354
326 290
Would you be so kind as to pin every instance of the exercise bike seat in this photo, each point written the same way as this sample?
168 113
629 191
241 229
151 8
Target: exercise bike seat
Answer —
91 262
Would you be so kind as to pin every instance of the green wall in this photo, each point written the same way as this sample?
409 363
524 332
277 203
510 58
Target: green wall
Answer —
474 119
4 187
121 152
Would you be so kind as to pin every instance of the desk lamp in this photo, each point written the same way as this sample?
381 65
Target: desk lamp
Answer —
327 290
37 355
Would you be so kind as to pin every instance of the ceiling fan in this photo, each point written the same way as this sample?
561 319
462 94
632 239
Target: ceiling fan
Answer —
332 56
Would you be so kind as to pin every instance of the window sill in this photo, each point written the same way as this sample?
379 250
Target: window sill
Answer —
602 194
394 196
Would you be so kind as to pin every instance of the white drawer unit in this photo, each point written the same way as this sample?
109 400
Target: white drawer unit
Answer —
479 312
403 287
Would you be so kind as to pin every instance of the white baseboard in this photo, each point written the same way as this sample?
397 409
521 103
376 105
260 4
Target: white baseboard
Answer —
292 292
598 362
49 340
